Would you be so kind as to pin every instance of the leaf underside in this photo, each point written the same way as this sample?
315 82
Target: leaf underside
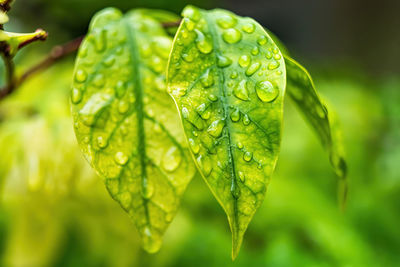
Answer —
227 78
301 90
125 121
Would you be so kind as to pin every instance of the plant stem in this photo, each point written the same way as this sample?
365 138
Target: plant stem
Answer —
58 52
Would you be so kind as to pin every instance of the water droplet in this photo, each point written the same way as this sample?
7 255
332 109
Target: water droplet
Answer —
247 156
121 158
234 74
321 111
268 55
223 61
202 43
273 65
235 115
253 68
277 56
109 61
239 145
188 57
172 159
80 76
275 50
102 142
240 91
226 21
123 106
151 243
76 96
194 146
262 40
266 91
255 51
191 12
120 89
125 199
147 189
244 61
98 80
246 120
241 176
185 113
189 24
207 79
249 27
231 36
235 190
212 97
216 127
204 164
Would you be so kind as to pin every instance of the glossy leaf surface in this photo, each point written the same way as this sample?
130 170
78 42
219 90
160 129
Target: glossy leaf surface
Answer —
301 90
228 79
125 121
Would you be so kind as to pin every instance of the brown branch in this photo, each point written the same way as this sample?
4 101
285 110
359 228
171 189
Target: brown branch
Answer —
57 53
6 6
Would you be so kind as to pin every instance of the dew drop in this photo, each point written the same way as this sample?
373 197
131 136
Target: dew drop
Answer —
241 176
235 190
239 145
188 57
212 97
189 24
216 127
123 106
240 91
102 142
249 27
226 21
172 159
223 61
125 199
121 158
255 51
191 12
277 56
244 61
120 89
231 36
266 91
273 65
80 76
98 80
262 40
194 146
151 243
202 43
147 189
247 156
268 55
109 61
235 115
204 164
76 95
252 68
207 79
246 120
185 113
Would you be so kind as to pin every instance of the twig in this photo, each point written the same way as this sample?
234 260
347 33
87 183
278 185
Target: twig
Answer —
58 52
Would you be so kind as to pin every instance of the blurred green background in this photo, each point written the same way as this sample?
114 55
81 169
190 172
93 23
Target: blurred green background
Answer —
54 211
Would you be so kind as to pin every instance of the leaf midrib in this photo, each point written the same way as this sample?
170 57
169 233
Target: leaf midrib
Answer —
226 117
139 110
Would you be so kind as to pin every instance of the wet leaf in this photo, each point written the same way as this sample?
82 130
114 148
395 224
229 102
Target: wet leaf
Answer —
301 90
125 121
228 79
163 16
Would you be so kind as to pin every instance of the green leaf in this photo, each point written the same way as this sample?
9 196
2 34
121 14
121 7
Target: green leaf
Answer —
228 79
301 89
125 121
